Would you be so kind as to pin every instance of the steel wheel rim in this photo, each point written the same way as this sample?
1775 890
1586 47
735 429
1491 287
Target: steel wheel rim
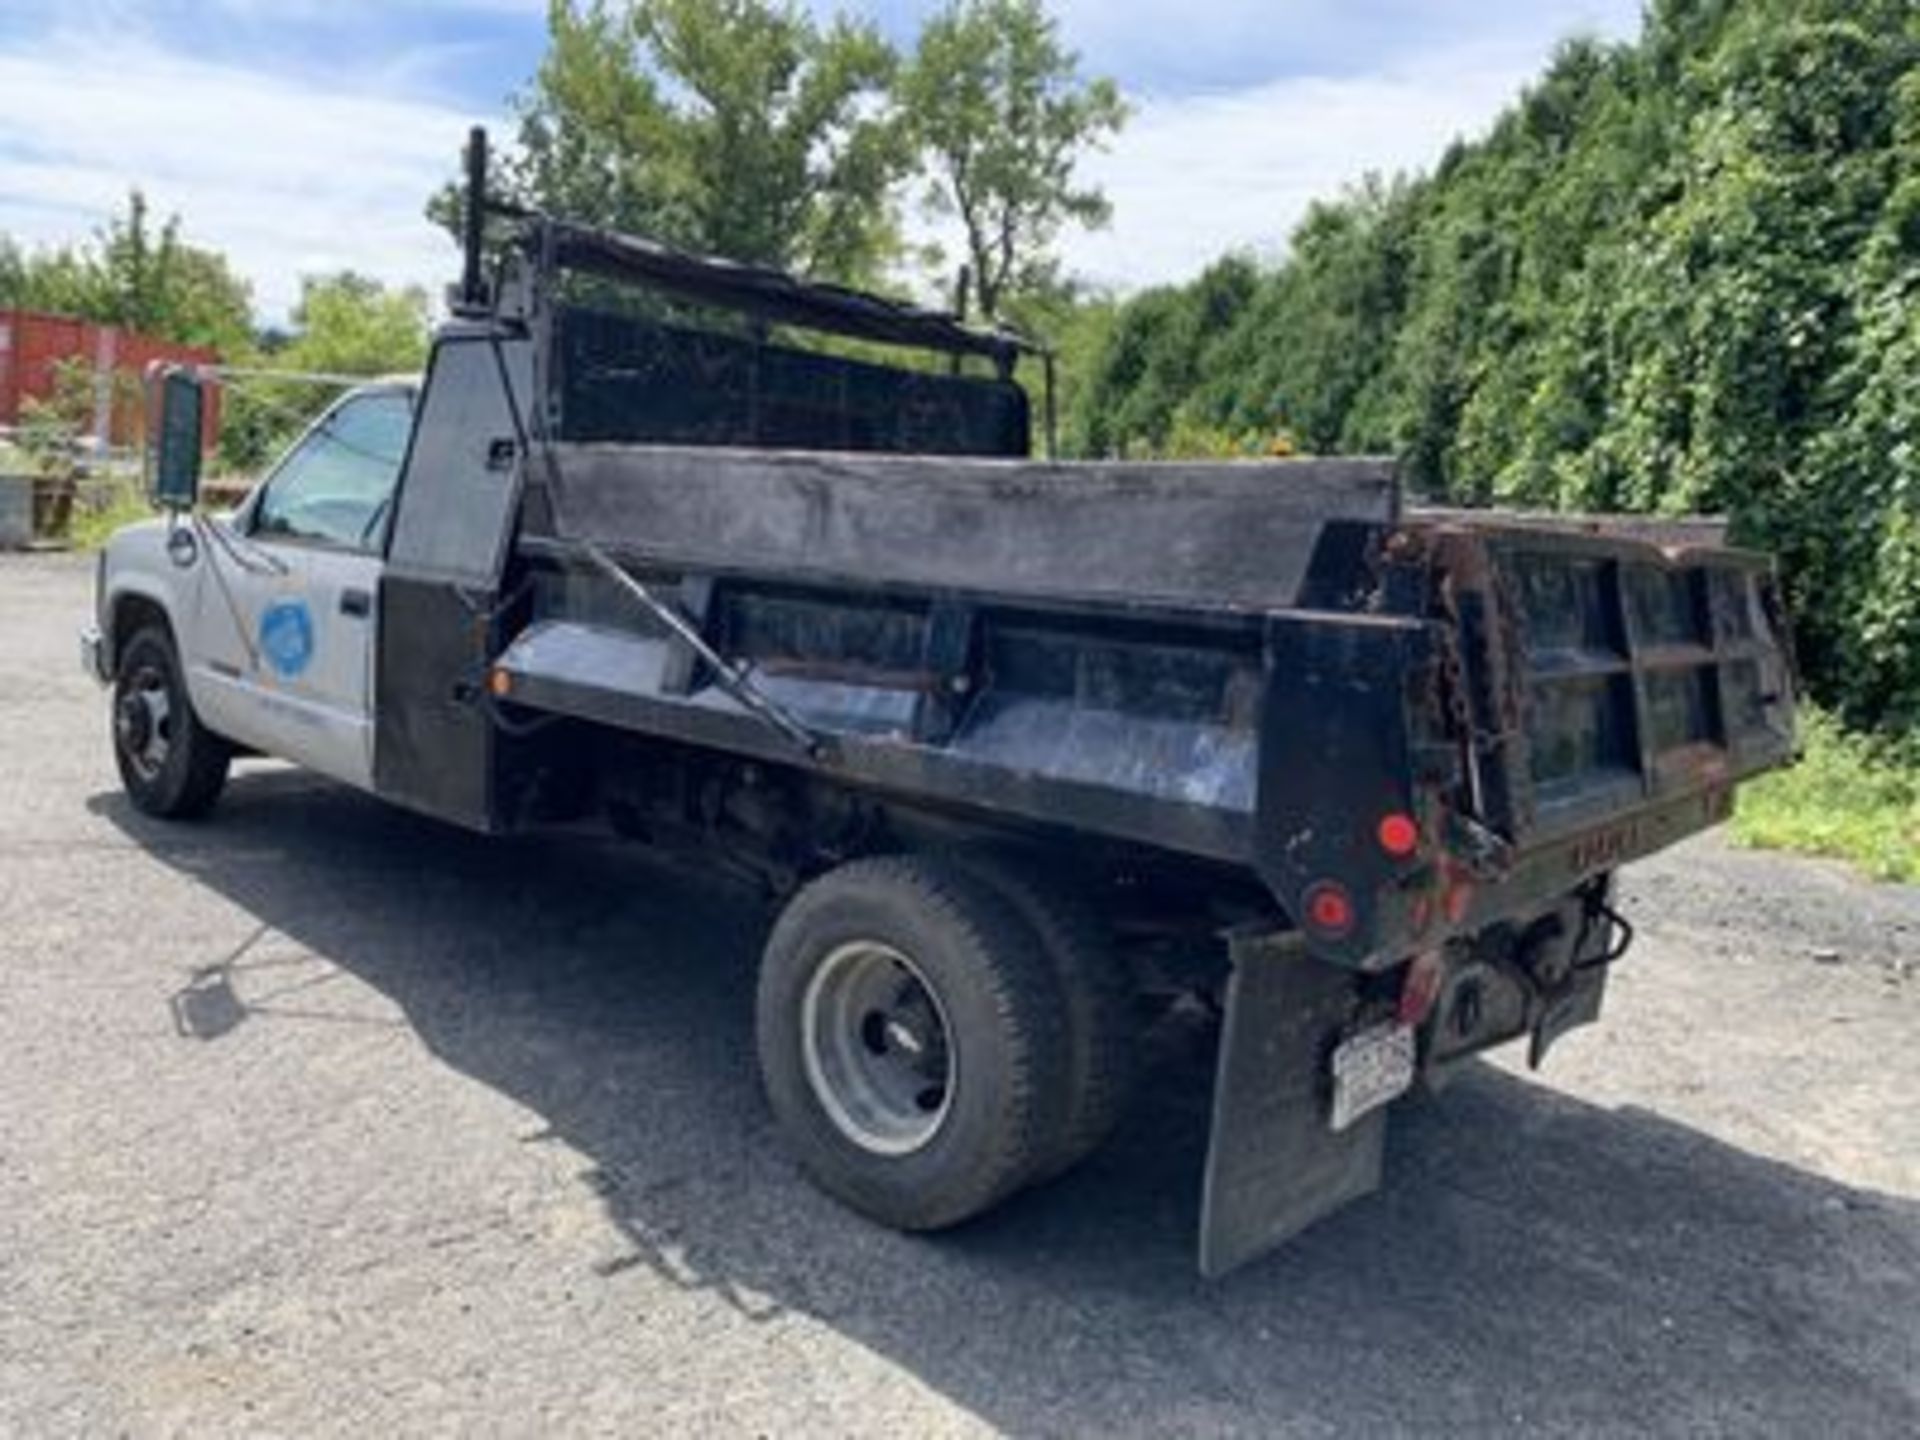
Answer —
877 1048
143 721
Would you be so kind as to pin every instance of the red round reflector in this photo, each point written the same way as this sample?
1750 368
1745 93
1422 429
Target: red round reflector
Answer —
1329 908
1398 835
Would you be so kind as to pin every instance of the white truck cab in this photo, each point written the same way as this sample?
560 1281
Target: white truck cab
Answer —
266 616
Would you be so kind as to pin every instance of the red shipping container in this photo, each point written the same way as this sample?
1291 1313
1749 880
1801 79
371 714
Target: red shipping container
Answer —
33 346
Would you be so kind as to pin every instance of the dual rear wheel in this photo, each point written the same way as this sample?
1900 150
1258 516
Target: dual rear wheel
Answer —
936 1032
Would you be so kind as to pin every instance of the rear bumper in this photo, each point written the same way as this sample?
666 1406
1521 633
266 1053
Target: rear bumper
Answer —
93 655
1276 1163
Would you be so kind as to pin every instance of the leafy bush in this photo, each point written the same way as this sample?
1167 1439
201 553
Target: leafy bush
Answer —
17 460
105 506
1851 797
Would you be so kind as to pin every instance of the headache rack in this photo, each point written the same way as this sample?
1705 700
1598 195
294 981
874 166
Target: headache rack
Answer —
1629 672
721 353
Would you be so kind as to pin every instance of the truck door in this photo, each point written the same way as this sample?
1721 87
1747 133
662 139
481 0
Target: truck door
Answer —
287 624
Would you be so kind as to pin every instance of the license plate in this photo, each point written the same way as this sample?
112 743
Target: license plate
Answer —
1369 1069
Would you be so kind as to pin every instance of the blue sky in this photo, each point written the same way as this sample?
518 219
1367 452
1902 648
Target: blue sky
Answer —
303 135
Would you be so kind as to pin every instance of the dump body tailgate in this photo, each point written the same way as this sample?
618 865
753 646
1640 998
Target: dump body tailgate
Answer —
1542 700
1607 673
1608 690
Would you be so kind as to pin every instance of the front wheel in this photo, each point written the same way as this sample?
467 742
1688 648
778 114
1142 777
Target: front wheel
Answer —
171 765
910 1040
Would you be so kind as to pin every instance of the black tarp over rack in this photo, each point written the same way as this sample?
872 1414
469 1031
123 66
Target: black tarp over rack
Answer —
774 295
627 379
637 379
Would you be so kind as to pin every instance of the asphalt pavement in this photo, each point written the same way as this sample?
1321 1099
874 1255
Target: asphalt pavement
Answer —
319 1118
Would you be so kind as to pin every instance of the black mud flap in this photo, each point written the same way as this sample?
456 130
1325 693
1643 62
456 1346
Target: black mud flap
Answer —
1273 1165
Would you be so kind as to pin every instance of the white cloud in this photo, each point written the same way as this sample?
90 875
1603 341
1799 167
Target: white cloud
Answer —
286 177
1195 176
289 177
1180 43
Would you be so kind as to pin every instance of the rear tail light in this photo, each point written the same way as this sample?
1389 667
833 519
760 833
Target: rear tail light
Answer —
1329 909
1398 835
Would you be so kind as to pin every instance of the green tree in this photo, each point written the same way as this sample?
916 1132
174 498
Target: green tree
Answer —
137 275
151 281
1000 117
345 324
738 127
349 324
13 273
61 281
1156 352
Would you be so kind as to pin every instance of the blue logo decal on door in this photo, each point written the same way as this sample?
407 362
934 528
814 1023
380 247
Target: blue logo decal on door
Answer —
286 637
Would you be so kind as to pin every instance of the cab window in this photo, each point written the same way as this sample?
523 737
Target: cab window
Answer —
336 487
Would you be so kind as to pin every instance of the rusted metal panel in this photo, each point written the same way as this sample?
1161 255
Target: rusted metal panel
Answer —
1669 532
1222 536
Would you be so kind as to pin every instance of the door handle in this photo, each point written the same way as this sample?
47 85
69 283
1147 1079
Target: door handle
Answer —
356 602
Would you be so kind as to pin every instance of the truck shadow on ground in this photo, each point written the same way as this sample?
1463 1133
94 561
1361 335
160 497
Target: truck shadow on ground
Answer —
1533 1261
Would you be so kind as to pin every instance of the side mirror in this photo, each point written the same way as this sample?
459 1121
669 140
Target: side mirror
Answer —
176 404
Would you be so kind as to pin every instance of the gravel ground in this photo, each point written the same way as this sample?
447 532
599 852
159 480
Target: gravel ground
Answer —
319 1118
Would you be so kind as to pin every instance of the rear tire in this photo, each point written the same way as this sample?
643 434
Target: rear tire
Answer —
910 1040
171 765
1097 1003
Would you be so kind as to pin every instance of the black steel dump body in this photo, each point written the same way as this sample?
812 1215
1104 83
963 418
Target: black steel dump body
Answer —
754 549
1248 662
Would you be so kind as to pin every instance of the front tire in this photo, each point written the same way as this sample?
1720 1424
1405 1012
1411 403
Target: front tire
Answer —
909 1038
171 765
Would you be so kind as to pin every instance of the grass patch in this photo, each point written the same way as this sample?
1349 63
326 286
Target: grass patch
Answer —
1853 798
102 507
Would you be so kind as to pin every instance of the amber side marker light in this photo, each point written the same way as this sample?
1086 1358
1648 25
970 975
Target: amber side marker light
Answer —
499 682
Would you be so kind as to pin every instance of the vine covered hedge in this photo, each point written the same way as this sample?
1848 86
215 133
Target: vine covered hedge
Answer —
1681 274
